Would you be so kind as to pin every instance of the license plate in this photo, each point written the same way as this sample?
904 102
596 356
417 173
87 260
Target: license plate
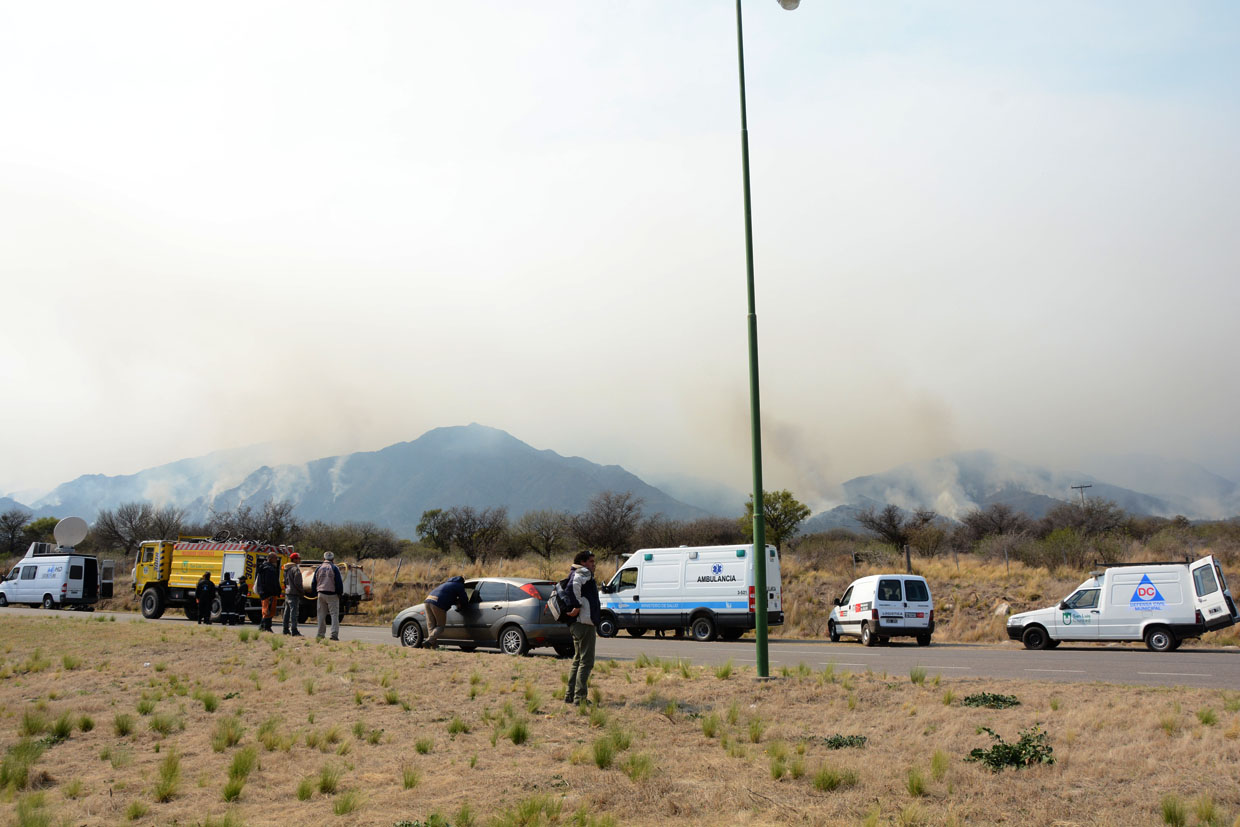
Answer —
893 619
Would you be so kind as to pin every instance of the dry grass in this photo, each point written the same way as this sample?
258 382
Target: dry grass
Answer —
686 749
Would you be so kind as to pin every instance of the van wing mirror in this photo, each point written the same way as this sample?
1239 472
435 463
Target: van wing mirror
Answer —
837 601
1063 604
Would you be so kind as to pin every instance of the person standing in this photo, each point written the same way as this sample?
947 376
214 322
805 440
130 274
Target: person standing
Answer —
585 611
329 584
227 590
267 584
294 589
205 592
446 595
238 607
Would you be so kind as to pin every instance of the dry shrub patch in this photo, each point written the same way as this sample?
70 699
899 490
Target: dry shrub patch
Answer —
691 747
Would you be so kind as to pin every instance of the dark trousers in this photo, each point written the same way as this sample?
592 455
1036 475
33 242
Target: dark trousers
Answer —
204 612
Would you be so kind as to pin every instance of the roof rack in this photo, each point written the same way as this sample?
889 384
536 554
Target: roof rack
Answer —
1146 563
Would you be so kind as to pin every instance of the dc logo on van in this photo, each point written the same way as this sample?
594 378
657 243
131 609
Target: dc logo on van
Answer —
1146 597
717 568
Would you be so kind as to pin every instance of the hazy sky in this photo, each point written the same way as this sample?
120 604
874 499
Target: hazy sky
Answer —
977 225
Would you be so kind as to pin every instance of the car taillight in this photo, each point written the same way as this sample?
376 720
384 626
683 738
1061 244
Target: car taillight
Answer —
932 615
1200 620
64 586
529 589
874 614
753 600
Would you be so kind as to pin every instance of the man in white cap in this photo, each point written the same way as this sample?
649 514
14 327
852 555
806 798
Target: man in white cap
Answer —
329 584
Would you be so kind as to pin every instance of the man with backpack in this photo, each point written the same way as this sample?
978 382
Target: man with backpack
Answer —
294 590
585 611
328 584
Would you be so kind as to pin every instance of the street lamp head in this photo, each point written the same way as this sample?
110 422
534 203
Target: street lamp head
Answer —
789 5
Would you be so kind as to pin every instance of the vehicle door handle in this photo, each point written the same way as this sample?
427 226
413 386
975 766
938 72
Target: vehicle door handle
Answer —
1093 611
497 606
635 597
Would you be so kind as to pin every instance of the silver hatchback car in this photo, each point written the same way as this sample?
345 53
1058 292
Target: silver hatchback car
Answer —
509 613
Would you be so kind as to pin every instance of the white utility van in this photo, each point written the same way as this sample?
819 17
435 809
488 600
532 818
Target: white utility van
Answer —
708 590
1159 603
53 577
883 606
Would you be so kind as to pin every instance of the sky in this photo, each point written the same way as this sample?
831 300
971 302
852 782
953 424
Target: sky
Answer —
976 225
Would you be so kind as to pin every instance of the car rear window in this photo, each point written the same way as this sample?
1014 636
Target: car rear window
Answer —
916 591
889 590
544 589
75 572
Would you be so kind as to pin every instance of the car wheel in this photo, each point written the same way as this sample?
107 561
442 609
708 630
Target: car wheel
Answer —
731 634
867 638
152 604
923 640
636 632
1159 639
4 601
607 626
1035 637
702 628
512 641
48 603
563 650
832 632
411 634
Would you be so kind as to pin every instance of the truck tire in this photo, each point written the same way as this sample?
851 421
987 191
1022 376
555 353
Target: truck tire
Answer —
607 626
1035 637
4 601
152 604
1159 639
702 627
867 637
191 610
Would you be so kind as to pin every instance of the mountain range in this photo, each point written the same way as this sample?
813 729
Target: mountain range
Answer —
484 467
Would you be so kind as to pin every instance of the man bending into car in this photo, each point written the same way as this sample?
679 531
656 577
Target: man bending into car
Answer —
582 599
446 595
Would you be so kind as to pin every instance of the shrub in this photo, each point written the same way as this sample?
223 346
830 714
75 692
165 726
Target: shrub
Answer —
169 777
638 766
1173 811
916 783
1030 749
990 700
917 675
604 753
409 777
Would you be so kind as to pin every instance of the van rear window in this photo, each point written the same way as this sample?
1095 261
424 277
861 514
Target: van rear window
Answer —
889 590
75 572
916 591
1204 582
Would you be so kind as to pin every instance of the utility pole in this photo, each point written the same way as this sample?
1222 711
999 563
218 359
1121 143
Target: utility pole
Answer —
1082 488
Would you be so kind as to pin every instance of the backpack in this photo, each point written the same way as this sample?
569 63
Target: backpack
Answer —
557 603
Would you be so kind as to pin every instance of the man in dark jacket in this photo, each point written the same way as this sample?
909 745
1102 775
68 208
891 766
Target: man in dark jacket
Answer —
446 595
294 590
584 609
205 592
267 584
228 599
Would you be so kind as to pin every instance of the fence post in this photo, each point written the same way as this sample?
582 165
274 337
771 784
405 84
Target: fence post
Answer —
908 561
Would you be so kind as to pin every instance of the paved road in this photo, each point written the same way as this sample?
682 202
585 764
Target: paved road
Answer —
1120 663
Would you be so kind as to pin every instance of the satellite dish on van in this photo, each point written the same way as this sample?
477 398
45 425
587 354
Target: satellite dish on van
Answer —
70 531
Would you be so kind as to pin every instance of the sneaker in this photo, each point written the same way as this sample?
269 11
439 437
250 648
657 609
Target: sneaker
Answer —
335 638
568 699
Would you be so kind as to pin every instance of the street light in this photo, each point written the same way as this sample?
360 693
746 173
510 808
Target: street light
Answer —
759 516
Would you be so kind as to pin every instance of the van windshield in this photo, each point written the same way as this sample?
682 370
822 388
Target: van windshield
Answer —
916 591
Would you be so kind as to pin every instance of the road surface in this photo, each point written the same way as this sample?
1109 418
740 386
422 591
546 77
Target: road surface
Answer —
1201 666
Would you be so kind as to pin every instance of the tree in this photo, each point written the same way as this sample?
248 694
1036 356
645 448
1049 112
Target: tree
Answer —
996 518
126 527
39 531
782 515
367 539
893 525
275 524
609 522
166 523
477 533
11 524
1087 519
544 532
435 529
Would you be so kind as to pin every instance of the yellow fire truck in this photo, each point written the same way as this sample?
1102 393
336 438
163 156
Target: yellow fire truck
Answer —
166 572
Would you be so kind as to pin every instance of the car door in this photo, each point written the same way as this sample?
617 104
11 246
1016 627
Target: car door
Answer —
846 618
489 607
889 600
627 602
1211 597
917 604
28 586
457 621
1078 617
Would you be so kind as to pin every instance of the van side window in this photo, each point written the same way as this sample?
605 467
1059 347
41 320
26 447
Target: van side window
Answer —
628 580
75 572
889 590
915 590
28 572
1204 582
1084 599
845 598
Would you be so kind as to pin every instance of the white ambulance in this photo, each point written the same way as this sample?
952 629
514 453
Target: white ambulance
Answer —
708 590
1159 603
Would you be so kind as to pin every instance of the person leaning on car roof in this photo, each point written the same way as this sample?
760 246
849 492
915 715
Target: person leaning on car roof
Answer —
443 597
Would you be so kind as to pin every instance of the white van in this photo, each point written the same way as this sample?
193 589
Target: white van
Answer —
1159 603
53 577
883 606
708 590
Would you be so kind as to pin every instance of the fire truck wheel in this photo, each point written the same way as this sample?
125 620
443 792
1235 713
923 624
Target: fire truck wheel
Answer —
152 604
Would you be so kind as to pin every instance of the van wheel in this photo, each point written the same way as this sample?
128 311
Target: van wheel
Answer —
832 632
607 626
513 641
48 603
411 634
636 632
1159 639
923 640
702 628
1035 637
867 639
152 604
4 601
